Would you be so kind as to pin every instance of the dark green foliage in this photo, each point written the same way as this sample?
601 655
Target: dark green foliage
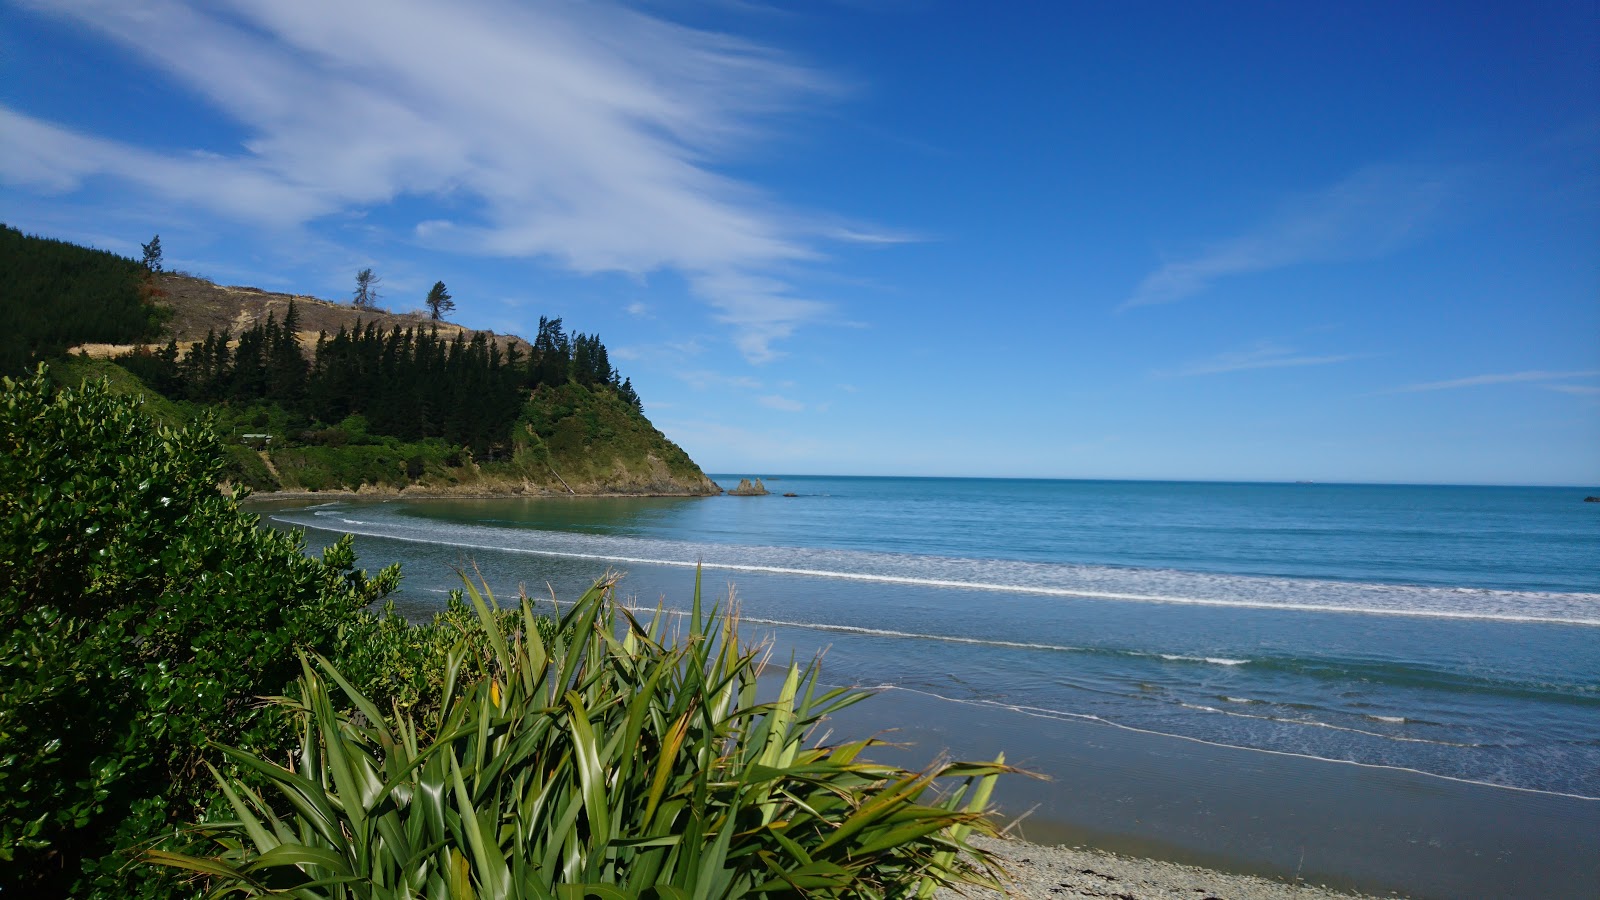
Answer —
141 614
54 295
152 255
552 354
439 301
629 395
408 384
380 462
403 665
412 384
585 435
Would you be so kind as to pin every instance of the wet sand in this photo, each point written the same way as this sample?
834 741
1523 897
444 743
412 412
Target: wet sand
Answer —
1036 872
1285 819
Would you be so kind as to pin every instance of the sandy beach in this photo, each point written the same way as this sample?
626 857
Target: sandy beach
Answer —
1049 873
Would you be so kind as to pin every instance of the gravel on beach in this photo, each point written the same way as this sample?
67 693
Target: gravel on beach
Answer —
1055 873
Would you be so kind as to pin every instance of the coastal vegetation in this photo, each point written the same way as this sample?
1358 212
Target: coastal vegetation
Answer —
489 752
593 756
313 396
141 614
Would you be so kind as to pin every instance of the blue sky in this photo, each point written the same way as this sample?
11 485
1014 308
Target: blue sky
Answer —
1339 242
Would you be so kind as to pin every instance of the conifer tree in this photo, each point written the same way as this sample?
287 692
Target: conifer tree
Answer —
439 301
152 255
366 293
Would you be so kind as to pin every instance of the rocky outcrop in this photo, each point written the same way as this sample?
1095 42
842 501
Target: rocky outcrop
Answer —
747 489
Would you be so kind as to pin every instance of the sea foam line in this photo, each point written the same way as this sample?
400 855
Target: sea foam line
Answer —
1313 723
1061 715
960 585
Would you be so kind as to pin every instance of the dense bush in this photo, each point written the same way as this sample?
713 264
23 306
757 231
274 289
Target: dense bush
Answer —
585 435
141 615
592 756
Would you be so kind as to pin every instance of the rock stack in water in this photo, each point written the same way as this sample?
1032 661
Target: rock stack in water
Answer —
746 489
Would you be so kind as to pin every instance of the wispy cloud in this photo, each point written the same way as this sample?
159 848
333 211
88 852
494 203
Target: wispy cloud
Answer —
860 236
1264 355
1370 213
582 134
775 401
701 379
1582 390
1501 378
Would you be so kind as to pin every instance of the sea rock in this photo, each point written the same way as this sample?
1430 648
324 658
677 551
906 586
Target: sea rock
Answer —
746 489
791 494
1591 499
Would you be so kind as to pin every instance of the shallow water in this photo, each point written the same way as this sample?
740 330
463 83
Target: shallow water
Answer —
1446 635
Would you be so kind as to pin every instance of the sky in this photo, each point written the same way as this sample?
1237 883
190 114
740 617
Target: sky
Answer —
1153 240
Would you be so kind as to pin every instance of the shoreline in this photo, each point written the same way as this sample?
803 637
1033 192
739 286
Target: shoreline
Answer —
430 493
1045 872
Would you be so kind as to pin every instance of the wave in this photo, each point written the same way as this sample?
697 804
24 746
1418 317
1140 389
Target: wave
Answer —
1213 660
1392 674
1064 715
1071 581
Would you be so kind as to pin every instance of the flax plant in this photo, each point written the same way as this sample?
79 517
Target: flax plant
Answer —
601 757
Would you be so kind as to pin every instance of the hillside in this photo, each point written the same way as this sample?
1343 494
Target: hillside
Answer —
316 396
196 307
54 294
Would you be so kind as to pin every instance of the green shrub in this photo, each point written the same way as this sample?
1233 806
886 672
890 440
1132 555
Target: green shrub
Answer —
141 615
593 758
247 468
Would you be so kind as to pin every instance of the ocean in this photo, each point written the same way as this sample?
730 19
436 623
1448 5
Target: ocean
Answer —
1374 686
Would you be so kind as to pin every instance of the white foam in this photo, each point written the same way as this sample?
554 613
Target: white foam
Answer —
1061 715
1214 660
1164 586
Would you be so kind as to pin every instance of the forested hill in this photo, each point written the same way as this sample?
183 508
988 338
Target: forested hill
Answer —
313 396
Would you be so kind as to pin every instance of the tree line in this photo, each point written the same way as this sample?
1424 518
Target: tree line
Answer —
54 295
410 383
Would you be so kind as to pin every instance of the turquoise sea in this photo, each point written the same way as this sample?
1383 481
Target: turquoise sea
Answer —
1388 687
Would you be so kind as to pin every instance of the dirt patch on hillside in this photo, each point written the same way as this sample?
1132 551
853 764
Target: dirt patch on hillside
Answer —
199 306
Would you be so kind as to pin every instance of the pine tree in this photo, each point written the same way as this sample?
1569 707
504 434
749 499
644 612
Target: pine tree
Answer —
366 294
439 301
152 255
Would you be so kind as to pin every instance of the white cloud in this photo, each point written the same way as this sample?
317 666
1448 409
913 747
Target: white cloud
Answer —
583 134
1502 378
701 379
1264 355
775 401
860 236
638 308
1371 213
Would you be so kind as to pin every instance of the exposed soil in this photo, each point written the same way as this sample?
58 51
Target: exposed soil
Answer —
199 306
